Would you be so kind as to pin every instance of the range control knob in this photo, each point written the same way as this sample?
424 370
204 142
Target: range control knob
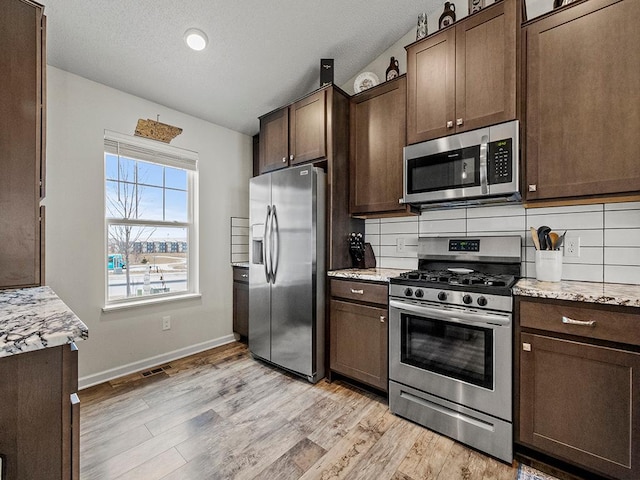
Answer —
442 296
419 293
482 301
408 292
467 299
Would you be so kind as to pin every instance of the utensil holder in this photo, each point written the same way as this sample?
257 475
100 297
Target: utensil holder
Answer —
549 265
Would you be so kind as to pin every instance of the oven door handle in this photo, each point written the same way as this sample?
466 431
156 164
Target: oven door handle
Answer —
452 316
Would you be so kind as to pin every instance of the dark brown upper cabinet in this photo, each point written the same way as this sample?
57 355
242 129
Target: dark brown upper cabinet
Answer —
22 139
378 133
274 140
582 89
307 129
465 76
294 134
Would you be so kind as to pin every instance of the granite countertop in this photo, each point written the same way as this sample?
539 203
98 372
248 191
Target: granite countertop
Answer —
36 318
374 274
590 292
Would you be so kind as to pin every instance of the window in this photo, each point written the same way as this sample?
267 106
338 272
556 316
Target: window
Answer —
150 204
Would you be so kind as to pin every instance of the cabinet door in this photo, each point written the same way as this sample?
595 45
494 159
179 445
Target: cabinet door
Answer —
486 67
32 411
579 402
241 308
378 130
582 87
359 340
21 142
307 135
431 87
274 140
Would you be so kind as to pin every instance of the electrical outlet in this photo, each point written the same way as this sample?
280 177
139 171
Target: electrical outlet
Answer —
166 322
572 246
399 245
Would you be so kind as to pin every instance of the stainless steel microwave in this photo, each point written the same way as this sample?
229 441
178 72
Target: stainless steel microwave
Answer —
479 166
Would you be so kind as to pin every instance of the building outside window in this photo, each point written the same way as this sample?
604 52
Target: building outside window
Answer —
150 220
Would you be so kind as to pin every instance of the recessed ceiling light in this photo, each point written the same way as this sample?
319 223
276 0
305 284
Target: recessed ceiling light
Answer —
196 39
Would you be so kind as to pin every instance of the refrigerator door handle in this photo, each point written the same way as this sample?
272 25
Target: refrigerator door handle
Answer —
266 257
274 246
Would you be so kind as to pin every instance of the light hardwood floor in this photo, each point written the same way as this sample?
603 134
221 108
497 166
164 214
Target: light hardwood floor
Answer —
221 414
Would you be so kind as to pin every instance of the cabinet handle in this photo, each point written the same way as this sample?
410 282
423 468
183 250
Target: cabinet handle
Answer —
526 347
459 122
359 292
533 188
570 321
291 157
284 159
382 318
450 124
245 275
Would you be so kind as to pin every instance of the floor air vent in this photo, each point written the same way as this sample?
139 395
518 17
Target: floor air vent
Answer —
156 371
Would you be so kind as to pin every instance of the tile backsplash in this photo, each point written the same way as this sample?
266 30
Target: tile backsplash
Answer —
609 236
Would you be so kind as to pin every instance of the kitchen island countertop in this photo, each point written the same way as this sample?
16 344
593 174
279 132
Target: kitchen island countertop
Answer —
591 292
36 318
372 274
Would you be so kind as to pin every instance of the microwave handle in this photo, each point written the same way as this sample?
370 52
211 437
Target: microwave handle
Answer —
484 183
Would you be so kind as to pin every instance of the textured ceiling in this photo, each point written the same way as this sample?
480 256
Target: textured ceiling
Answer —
262 54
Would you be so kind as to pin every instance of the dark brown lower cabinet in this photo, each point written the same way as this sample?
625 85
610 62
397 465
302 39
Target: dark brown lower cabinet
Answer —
359 332
40 414
241 301
580 400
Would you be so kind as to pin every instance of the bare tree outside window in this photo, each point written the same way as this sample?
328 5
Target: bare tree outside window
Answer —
126 204
147 228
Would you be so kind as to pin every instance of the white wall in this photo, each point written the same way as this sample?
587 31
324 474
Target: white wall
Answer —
78 112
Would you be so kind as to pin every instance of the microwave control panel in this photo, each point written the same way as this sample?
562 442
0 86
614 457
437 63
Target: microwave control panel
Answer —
500 161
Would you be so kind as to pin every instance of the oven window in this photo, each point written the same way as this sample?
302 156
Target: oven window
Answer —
444 171
463 352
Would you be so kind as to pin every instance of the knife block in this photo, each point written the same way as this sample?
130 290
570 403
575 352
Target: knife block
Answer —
369 260
369 257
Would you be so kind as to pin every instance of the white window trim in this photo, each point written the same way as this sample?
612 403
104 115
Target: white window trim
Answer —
157 152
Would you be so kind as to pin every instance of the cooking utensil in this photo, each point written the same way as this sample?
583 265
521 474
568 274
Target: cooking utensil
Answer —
560 240
543 232
534 237
554 237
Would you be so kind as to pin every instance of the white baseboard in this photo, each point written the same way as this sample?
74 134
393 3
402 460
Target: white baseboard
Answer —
105 376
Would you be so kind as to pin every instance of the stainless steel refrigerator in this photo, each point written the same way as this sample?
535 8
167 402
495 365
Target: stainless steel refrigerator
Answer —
287 269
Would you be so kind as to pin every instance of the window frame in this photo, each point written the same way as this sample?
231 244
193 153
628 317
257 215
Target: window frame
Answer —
151 151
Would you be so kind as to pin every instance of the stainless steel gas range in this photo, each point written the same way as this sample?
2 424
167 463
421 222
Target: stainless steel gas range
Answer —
450 340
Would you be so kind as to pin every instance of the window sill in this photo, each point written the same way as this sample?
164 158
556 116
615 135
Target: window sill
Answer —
149 302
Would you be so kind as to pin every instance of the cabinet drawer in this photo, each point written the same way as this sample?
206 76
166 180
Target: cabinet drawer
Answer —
360 291
240 274
596 322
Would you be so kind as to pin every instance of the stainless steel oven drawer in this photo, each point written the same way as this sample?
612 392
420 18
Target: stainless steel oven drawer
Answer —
484 432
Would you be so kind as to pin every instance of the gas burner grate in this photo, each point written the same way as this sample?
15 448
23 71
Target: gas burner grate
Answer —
441 277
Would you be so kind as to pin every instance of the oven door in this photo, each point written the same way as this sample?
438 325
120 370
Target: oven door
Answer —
459 354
